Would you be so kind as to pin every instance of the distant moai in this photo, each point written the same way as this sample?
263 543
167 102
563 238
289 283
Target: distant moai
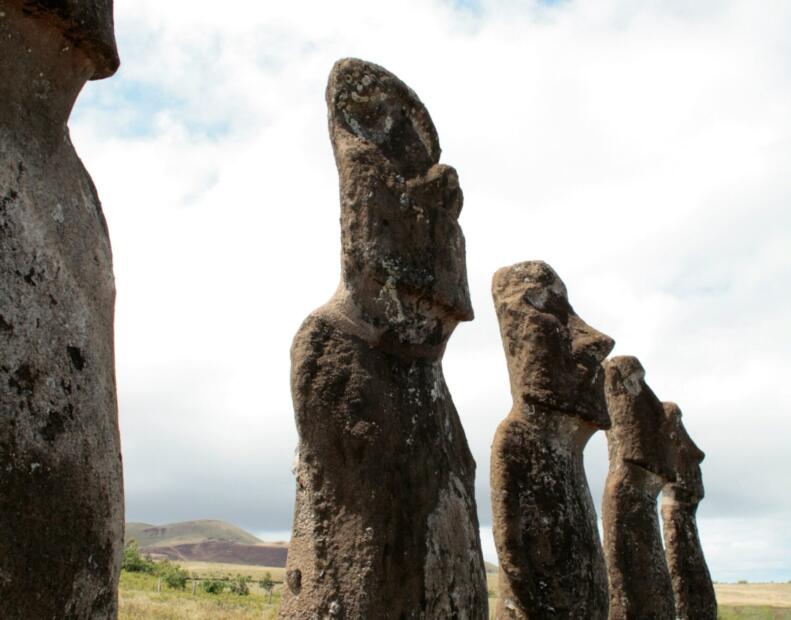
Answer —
640 465
551 562
692 586
385 522
61 495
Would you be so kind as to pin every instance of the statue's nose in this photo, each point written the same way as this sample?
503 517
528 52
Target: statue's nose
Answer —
589 342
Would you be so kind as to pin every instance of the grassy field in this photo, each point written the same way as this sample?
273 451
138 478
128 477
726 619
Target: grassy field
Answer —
766 594
754 601
751 601
210 569
753 613
140 600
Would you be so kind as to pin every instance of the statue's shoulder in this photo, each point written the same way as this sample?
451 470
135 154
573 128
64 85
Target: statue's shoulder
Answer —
330 368
511 425
512 437
319 329
321 344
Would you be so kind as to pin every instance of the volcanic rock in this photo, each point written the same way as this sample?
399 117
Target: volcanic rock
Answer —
551 562
640 465
385 522
692 587
61 497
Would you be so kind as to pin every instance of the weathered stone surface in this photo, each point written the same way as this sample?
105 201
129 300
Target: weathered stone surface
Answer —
692 587
385 522
551 562
84 24
61 499
640 465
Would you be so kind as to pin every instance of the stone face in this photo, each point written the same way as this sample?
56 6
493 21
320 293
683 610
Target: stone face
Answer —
385 521
640 465
61 496
692 586
551 562
84 24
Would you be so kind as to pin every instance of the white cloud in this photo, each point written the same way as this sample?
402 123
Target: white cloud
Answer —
640 148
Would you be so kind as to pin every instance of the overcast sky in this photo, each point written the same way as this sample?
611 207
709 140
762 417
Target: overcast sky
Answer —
641 148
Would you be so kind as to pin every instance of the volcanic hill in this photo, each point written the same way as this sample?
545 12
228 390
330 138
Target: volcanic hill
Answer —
206 541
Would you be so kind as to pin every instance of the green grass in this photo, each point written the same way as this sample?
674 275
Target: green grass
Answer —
139 600
753 613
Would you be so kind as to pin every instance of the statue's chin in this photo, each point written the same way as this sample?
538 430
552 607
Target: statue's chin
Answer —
569 405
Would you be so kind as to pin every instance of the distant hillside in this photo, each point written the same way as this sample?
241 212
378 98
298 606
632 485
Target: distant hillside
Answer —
148 535
206 541
223 553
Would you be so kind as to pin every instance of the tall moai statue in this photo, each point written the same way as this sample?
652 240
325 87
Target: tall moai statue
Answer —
551 562
61 495
385 523
692 587
640 465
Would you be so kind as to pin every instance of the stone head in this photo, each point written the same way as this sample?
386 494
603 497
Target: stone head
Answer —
686 457
554 357
640 432
402 247
87 24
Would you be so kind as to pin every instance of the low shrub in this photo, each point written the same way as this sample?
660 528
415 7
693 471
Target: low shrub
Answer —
267 584
212 586
173 575
240 585
134 562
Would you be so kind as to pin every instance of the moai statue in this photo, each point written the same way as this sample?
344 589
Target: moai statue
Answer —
61 496
692 587
385 522
640 465
551 562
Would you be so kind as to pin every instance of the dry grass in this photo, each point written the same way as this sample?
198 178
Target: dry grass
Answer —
211 569
754 594
751 601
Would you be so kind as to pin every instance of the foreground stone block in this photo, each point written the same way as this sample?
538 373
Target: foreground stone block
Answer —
385 522
551 562
640 465
692 586
61 499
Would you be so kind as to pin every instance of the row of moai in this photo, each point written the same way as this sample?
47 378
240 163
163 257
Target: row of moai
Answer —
385 523
545 528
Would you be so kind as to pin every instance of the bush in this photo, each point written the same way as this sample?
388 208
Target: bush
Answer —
267 585
173 575
212 586
240 586
133 562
